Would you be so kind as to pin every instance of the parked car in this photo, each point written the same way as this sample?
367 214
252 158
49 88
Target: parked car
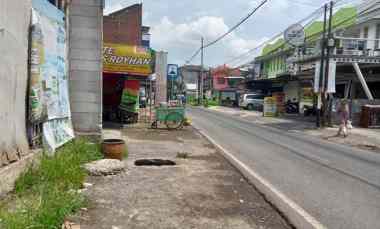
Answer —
252 101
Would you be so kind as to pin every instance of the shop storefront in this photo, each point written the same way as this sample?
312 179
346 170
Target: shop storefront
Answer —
126 71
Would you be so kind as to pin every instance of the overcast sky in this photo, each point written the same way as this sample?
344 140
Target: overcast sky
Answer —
177 25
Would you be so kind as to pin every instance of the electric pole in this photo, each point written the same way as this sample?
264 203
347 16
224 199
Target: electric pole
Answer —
202 53
200 76
330 43
321 72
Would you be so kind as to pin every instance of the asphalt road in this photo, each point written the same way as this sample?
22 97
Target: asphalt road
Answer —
338 185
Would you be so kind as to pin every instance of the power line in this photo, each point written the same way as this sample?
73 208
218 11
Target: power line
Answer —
237 25
337 3
335 27
229 31
317 12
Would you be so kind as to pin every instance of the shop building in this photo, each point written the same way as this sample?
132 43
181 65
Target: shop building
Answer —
225 85
128 64
356 33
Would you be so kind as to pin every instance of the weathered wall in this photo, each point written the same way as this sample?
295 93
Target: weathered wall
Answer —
85 64
161 80
14 26
124 26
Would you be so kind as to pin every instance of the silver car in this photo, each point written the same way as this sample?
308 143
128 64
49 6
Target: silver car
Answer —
252 101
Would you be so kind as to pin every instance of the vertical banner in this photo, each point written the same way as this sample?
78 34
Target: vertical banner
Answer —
331 85
37 107
130 96
317 76
48 91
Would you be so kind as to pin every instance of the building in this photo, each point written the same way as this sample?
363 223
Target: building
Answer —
293 71
128 63
189 76
225 86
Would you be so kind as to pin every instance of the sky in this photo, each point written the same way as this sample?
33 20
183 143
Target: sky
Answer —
178 25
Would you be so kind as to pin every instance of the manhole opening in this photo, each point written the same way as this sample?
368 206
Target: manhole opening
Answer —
154 162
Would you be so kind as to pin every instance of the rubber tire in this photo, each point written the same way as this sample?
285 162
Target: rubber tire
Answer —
250 107
178 126
154 125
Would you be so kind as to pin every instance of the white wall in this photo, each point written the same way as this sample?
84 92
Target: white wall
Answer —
371 32
14 26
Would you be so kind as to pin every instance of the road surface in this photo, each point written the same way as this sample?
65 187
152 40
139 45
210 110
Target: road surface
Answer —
338 185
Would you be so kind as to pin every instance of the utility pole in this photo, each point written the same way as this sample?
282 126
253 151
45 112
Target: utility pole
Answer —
330 43
202 53
321 72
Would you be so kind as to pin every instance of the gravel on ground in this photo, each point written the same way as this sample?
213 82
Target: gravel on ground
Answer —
201 191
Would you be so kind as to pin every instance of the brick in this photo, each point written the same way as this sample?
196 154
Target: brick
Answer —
3 159
86 22
88 11
86 65
85 54
97 3
80 75
12 156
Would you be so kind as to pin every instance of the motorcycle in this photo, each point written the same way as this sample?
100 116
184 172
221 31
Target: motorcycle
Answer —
309 110
291 108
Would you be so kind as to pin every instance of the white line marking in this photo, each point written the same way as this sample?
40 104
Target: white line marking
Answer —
310 219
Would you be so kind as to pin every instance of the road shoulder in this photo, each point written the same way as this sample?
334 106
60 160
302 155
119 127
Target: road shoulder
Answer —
201 191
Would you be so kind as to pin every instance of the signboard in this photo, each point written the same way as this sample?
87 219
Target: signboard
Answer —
48 84
172 71
270 107
295 35
317 76
124 59
331 85
130 96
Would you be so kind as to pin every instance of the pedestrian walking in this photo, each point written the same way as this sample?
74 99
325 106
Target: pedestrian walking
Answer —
343 112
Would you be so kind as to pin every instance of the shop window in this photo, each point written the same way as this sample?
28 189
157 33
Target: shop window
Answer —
366 32
377 44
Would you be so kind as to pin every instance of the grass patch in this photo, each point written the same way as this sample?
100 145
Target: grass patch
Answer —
46 193
210 103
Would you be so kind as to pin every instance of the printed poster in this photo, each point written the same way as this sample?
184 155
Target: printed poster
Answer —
49 93
130 96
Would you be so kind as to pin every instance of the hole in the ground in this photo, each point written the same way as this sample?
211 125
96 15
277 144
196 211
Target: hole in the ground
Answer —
154 162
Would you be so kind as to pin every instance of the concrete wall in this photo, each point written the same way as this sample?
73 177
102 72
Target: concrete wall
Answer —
161 80
124 26
85 64
14 30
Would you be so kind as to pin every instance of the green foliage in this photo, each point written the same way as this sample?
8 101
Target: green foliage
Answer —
45 194
211 103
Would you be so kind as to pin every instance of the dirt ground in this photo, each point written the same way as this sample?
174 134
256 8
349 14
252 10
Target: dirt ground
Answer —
202 191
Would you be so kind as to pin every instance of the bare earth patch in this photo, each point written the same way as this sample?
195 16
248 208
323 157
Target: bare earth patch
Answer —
201 191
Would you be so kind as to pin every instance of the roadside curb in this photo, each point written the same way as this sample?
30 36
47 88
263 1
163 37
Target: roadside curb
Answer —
295 214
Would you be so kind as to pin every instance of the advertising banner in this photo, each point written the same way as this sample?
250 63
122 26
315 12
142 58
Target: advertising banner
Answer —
124 59
270 107
130 96
57 132
48 91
